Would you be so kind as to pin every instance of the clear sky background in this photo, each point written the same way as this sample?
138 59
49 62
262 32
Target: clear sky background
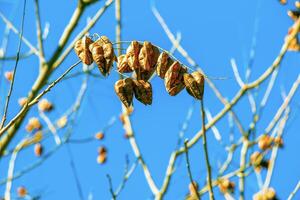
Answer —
212 32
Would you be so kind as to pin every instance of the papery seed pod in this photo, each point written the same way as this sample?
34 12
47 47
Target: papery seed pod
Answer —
38 149
124 90
9 75
45 105
194 83
143 91
123 66
109 53
99 136
148 56
22 101
22 192
163 64
132 54
174 78
81 48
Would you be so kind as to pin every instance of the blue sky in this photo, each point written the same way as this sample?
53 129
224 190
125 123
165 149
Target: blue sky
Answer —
212 32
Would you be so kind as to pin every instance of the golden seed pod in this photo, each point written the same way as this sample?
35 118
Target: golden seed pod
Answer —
265 142
99 136
81 48
163 64
124 90
45 105
38 149
22 191
143 91
33 124
123 66
193 188
8 75
22 101
174 82
194 83
132 54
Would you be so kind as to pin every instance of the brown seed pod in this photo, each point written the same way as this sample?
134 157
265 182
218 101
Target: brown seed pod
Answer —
33 124
148 56
38 149
174 78
45 105
163 64
124 90
123 66
22 192
81 48
99 136
132 54
102 158
265 142
9 75
194 83
143 91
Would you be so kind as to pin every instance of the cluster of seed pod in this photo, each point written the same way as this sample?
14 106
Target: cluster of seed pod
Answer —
143 60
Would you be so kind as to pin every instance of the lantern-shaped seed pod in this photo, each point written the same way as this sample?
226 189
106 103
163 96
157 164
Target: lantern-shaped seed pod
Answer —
103 54
81 48
194 83
132 54
148 56
124 90
174 78
143 91
123 66
163 64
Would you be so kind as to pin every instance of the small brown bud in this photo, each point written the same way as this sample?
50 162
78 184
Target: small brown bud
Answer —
124 90
174 82
45 106
38 149
99 136
282 2
143 91
22 192
101 158
226 186
278 141
9 75
102 150
265 142
33 124
62 122
22 101
81 48
293 14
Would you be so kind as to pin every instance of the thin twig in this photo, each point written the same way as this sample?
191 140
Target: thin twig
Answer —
189 169
291 196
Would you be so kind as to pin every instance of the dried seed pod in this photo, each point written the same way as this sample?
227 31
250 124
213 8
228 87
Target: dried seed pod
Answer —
103 54
174 78
143 91
22 101
123 66
124 90
81 48
38 149
163 64
99 136
148 56
22 192
9 75
132 54
194 83
45 105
